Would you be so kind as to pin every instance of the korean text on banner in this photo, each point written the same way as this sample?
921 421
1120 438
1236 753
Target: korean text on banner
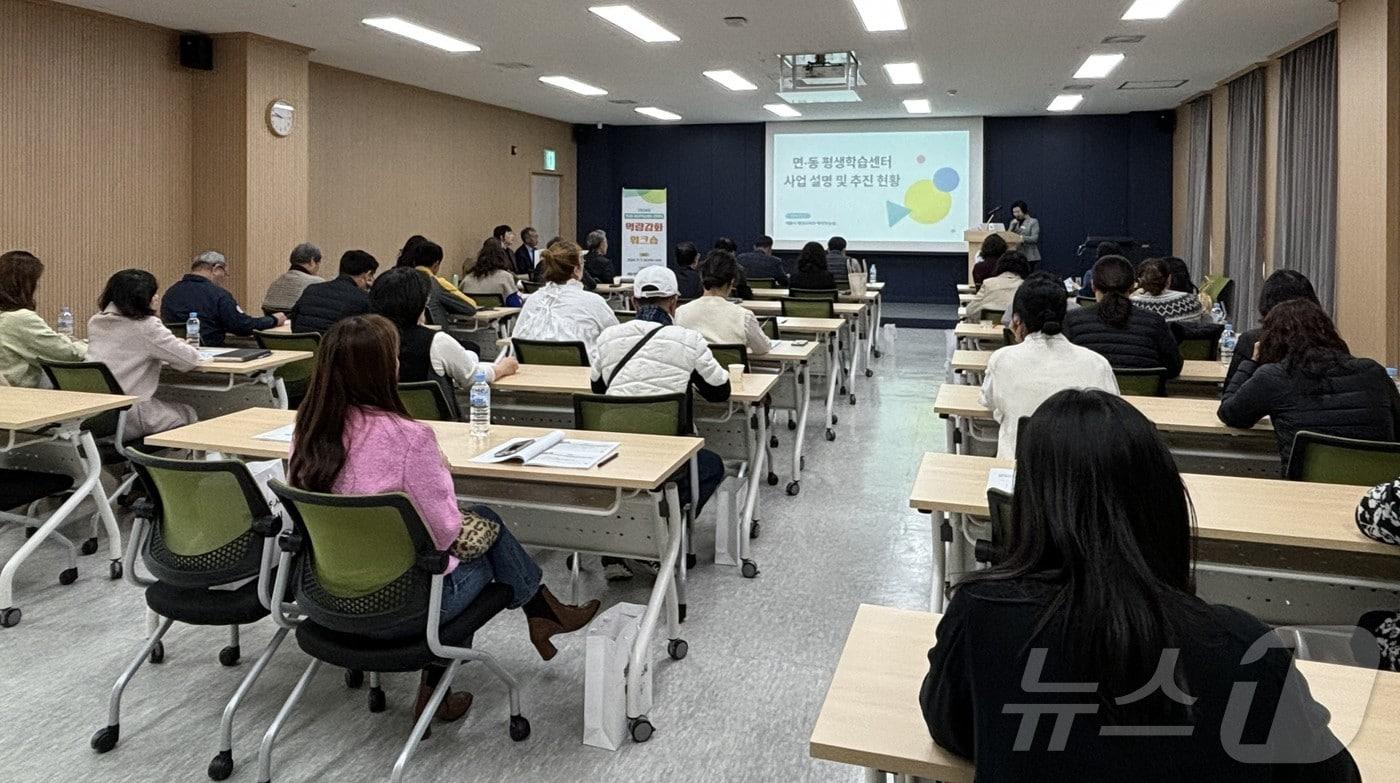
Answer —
643 229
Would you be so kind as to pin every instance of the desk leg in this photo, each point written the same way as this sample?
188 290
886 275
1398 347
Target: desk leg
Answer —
950 427
757 472
803 374
875 776
279 390
869 319
879 322
104 507
940 562
833 371
670 531
853 348
90 487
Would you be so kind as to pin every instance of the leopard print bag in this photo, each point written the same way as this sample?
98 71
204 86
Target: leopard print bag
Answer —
478 534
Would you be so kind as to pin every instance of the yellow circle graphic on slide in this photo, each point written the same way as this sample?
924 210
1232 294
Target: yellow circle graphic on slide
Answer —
926 203
654 197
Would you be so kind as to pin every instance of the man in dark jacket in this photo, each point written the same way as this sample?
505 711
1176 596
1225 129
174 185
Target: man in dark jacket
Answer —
201 291
836 259
761 263
596 262
324 304
527 256
688 280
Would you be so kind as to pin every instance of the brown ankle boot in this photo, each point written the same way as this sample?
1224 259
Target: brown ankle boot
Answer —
453 706
557 618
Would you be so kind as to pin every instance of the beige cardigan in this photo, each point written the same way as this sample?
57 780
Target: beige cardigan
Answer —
996 293
134 349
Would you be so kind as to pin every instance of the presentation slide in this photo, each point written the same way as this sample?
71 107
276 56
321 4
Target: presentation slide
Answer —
894 186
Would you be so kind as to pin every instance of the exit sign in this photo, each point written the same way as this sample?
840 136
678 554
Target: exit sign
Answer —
550 160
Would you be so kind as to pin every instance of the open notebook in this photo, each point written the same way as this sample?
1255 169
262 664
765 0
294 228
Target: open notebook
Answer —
551 451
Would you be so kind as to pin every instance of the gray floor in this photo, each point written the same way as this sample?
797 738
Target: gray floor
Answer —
739 708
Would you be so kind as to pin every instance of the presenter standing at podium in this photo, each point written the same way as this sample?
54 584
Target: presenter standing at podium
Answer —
1029 229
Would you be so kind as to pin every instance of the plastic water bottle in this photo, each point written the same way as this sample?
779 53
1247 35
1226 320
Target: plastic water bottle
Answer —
65 321
192 330
1217 313
1228 339
872 273
481 405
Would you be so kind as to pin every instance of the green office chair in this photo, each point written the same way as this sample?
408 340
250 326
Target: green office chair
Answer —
769 324
1329 459
271 311
484 301
428 401
530 286
297 375
176 328
829 294
666 414
1008 337
731 354
765 283
992 316
1199 342
554 353
993 551
367 578
1147 382
808 308
204 524
623 316
1216 287
1086 302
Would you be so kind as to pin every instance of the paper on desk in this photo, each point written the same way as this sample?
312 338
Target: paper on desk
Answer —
205 354
279 435
552 451
1003 479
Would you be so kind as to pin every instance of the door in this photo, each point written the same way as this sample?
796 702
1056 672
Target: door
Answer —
544 205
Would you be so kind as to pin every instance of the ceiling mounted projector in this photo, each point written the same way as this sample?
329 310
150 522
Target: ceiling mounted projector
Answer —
819 78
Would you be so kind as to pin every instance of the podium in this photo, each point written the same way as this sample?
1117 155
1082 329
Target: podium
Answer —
976 236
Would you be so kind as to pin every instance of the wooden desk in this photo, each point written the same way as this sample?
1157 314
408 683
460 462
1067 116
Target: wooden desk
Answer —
871 716
276 360
1192 371
870 297
786 351
1169 414
237 374
286 328
965 299
1228 508
991 334
23 410
772 308
548 379
644 462
810 325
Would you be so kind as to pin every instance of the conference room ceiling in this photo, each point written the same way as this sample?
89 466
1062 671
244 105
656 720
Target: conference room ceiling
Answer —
1003 57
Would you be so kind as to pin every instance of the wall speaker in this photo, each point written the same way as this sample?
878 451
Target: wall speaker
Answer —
197 51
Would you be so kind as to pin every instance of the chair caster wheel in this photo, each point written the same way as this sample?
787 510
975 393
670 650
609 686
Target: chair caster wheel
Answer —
802 463
843 391
879 353
792 425
9 618
376 700
755 530
835 420
89 547
68 576
677 649
794 487
30 531
158 653
680 612
519 728
229 655
773 442
354 678
222 765
640 728
114 571
749 569
569 562
853 399
830 434
106 739
869 373
690 561
772 479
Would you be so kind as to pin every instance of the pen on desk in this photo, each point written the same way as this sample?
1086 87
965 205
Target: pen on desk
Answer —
607 459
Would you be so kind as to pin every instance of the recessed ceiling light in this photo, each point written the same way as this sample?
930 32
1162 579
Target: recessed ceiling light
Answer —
904 73
1151 9
1065 102
782 110
918 106
421 34
731 80
660 114
1098 66
1156 84
881 16
635 22
573 85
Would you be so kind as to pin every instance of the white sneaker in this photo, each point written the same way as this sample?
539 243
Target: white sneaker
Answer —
616 572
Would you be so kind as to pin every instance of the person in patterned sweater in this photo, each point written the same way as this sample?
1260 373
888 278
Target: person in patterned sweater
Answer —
1378 516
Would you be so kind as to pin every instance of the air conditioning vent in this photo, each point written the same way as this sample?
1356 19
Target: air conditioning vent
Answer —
514 66
1124 39
1164 84
623 102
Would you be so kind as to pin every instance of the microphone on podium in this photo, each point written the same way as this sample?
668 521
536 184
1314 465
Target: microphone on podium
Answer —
993 213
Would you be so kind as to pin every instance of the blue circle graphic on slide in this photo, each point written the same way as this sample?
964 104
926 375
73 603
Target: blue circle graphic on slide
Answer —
946 179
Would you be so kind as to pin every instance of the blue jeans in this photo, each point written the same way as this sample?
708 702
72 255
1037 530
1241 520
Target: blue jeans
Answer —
505 562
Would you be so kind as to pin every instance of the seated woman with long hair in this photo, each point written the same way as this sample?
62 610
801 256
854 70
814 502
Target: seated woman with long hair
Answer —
812 273
1156 292
353 437
1129 336
1091 625
493 272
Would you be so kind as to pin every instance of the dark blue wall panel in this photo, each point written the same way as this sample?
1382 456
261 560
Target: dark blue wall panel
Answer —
1082 175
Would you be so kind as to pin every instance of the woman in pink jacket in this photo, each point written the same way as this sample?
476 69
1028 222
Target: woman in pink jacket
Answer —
353 437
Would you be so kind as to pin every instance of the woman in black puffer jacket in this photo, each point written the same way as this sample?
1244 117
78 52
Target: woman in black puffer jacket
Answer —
1130 337
1303 376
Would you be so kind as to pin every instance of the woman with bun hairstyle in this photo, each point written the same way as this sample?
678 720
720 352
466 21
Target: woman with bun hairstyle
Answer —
563 311
1042 362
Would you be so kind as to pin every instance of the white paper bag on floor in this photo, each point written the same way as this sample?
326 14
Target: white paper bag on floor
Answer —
858 282
727 527
888 335
609 647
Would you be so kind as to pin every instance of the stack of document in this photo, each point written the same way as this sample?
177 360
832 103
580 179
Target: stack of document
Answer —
551 451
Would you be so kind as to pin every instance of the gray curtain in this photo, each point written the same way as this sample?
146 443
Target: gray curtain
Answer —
1244 195
1307 165
1197 250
